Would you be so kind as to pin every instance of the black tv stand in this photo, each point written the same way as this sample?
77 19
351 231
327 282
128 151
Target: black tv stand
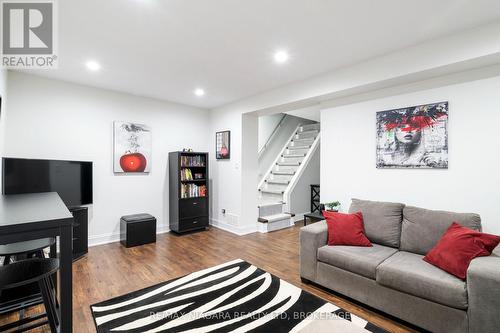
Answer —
80 231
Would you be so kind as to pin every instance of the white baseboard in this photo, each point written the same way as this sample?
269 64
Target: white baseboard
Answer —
235 229
102 239
115 237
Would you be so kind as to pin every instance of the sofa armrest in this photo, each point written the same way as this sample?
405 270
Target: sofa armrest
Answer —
483 287
312 237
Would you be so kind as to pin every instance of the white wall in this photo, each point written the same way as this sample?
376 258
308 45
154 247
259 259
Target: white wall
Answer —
58 120
267 124
249 166
301 194
225 189
471 184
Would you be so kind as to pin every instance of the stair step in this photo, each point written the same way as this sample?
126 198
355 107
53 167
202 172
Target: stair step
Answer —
304 140
293 155
281 178
294 159
271 191
270 208
283 172
269 204
291 168
277 181
297 147
288 163
308 131
310 126
270 197
274 218
274 187
307 135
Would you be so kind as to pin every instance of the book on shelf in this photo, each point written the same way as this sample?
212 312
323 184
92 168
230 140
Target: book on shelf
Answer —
186 174
193 191
192 161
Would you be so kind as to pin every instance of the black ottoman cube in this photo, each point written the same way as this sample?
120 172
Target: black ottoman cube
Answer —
137 229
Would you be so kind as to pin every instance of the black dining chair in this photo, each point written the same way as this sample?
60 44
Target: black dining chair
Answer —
30 249
25 272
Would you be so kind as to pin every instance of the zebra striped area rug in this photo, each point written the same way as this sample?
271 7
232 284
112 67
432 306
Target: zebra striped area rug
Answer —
233 297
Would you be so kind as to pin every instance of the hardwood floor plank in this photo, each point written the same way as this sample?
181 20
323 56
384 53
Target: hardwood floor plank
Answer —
112 270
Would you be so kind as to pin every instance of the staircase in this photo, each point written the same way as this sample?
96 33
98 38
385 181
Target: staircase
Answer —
279 180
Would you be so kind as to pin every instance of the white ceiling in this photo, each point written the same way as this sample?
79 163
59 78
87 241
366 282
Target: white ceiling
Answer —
167 48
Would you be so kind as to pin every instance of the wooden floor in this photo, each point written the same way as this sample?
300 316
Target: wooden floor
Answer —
112 270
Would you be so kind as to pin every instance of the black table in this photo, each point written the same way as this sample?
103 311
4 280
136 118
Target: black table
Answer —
40 215
313 216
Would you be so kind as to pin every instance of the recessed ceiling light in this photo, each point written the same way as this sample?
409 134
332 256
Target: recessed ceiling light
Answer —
199 92
281 56
93 65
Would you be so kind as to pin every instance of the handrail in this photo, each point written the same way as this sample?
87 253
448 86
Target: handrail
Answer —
264 147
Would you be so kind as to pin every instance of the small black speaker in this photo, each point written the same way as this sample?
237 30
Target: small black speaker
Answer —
80 231
137 229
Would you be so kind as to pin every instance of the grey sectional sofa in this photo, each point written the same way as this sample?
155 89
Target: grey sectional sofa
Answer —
392 277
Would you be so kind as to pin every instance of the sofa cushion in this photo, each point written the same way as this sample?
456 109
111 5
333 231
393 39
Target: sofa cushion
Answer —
422 228
382 220
409 273
355 259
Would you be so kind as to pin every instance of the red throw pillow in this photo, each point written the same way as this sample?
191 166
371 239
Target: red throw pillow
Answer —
346 229
458 246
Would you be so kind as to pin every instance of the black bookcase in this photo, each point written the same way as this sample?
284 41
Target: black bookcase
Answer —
188 191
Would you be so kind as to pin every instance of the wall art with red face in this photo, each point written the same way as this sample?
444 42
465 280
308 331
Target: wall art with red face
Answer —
413 137
132 147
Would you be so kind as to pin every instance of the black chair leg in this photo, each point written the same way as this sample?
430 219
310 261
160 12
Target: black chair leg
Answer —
52 293
48 301
52 287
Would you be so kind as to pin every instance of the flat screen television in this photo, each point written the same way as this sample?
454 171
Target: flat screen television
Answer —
72 180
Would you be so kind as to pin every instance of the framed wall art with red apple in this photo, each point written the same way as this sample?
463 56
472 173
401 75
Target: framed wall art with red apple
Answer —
132 147
223 145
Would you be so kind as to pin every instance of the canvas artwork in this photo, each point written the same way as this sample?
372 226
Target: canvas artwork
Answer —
413 137
132 147
222 145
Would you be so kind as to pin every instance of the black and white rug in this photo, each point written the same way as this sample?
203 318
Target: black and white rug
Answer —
233 297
